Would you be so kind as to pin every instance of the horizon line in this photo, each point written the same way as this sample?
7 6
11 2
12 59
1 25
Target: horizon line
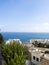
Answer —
21 32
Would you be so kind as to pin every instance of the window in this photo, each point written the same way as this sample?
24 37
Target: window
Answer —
37 59
34 57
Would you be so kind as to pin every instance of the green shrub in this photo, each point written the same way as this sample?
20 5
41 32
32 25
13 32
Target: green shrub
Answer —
13 54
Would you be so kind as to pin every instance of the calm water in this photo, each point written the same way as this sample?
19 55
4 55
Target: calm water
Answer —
25 37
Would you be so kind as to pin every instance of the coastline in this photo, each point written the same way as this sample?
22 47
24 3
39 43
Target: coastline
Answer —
24 36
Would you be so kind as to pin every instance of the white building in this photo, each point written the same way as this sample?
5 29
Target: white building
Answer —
36 57
12 40
37 54
40 40
46 56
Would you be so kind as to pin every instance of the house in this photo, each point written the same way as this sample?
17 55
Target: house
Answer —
12 40
43 41
37 55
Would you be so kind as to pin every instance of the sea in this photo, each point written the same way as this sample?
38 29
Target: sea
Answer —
24 36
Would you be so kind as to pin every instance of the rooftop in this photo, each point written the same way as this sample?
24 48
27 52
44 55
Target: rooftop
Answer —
44 62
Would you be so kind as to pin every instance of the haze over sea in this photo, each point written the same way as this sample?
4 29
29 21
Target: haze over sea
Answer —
24 36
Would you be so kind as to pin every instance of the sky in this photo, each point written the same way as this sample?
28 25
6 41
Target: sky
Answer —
24 15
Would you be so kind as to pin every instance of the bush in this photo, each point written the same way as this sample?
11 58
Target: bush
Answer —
13 54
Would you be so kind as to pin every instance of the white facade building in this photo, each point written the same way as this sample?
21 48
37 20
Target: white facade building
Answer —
12 40
40 41
37 54
36 57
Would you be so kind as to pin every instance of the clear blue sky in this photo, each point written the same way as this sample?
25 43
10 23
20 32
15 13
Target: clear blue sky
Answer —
24 15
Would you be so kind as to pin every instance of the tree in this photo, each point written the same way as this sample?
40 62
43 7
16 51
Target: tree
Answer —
13 54
1 41
1 38
27 53
35 43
